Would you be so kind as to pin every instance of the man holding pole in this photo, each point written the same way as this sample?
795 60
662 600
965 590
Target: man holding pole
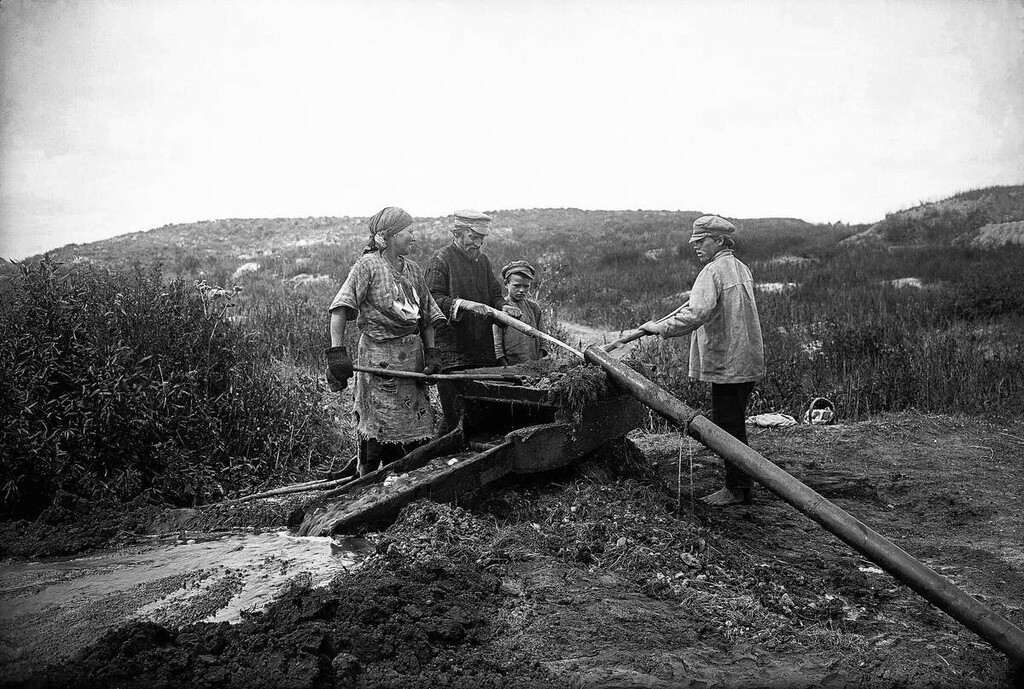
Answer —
462 282
387 296
726 348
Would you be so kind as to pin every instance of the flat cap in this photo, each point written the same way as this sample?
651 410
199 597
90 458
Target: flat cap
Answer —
711 226
472 220
521 267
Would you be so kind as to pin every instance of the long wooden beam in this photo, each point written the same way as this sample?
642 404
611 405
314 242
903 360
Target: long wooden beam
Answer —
935 588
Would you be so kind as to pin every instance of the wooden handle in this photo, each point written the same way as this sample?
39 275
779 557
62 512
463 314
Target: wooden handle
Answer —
394 373
637 333
517 324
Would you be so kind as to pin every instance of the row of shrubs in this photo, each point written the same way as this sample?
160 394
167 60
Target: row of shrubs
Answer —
123 385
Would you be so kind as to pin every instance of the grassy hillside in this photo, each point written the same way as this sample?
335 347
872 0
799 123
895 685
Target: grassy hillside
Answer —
603 267
955 219
198 347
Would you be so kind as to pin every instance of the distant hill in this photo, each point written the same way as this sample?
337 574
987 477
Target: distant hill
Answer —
956 219
188 247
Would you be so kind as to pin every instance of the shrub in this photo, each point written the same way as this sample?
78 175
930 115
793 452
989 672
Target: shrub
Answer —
118 385
992 291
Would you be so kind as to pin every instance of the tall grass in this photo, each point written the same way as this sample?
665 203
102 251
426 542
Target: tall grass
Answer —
135 376
843 332
847 333
121 385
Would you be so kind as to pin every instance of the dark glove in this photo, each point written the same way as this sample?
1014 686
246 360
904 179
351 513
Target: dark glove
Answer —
431 360
339 368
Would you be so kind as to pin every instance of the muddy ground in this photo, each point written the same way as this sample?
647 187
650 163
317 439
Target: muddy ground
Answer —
610 574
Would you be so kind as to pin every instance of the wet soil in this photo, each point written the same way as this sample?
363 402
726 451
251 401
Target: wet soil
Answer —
611 574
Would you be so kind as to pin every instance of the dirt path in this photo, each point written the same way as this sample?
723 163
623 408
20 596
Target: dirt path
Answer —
604 576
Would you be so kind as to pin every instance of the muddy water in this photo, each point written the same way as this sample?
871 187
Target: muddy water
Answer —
49 610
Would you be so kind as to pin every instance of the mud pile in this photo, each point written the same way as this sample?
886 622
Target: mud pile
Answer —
406 624
611 573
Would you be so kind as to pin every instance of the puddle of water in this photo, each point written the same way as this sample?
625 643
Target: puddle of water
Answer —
262 564
71 602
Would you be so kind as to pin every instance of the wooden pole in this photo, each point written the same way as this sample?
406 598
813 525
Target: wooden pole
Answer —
445 444
511 322
637 333
936 589
933 587
395 373
324 484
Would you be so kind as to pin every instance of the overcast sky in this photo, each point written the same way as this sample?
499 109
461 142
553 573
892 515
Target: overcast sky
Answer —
121 116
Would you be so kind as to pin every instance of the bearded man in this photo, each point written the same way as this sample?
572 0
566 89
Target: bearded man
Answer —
463 284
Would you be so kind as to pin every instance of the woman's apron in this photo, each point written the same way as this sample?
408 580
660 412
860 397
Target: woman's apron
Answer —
392 410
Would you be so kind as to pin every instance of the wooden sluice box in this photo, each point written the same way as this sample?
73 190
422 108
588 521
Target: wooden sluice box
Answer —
507 429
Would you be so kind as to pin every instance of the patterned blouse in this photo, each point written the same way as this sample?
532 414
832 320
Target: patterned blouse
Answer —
390 303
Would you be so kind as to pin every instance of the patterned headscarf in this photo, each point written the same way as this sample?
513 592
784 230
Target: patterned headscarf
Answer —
387 223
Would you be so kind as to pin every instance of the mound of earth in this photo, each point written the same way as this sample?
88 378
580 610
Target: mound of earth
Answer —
404 625
612 574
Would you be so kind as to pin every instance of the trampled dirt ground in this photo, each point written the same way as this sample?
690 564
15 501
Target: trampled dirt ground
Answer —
610 575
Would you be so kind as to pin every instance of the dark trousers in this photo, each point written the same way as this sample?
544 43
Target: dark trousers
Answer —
451 405
729 412
374 453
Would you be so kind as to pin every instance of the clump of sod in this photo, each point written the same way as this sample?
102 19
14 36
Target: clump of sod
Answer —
575 389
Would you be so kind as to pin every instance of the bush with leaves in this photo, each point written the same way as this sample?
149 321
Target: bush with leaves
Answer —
120 385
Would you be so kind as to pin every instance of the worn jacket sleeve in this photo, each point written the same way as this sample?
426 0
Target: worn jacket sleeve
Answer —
701 307
437 282
499 341
430 312
496 292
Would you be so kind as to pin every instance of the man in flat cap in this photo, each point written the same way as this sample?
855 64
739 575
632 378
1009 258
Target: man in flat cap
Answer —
511 346
726 348
462 283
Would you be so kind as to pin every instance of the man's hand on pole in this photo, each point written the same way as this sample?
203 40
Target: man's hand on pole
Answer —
513 311
649 328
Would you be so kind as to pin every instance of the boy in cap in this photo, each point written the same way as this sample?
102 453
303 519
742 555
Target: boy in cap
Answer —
512 347
463 284
726 348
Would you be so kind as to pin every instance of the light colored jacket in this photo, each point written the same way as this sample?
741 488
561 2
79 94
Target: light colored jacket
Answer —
726 344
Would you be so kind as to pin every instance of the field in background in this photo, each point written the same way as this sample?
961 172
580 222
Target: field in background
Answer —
873 326
132 338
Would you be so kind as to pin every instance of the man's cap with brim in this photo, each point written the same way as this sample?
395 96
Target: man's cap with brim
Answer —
473 220
711 226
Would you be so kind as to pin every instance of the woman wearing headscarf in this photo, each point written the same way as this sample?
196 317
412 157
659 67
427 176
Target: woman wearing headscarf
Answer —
386 295
726 348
